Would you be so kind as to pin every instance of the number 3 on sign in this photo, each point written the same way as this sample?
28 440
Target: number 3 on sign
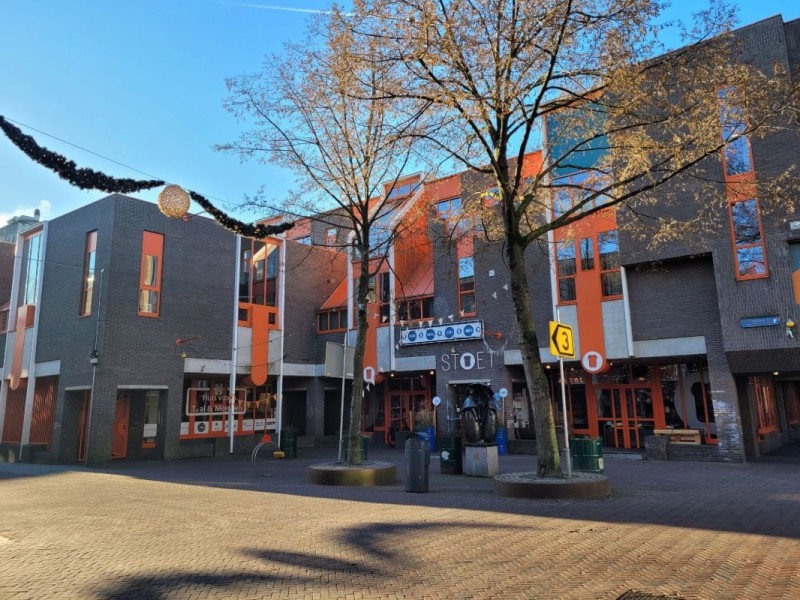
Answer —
561 341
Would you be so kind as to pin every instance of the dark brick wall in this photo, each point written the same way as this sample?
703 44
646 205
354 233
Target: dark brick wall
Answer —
197 273
6 270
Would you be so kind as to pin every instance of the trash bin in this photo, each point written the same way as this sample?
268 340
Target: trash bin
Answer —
450 449
587 454
502 440
289 443
363 446
418 460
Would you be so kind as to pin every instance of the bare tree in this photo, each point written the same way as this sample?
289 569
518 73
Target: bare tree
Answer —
307 114
591 76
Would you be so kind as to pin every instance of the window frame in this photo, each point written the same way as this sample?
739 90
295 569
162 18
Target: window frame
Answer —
89 268
737 246
467 292
420 301
560 277
602 271
152 245
341 313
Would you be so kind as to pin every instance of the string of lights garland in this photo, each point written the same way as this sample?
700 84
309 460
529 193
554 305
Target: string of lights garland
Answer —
89 179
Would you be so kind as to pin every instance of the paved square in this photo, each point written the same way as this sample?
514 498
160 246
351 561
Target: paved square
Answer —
210 528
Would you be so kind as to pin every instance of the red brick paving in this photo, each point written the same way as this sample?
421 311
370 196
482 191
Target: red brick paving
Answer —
212 529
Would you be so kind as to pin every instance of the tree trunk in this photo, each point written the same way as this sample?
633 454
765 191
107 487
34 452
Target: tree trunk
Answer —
357 400
549 460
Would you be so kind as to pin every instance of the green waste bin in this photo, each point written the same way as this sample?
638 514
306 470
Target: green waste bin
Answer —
587 454
363 446
450 459
289 444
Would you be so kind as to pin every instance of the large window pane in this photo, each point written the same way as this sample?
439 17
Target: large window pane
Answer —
745 222
150 270
148 301
751 261
608 246
612 283
565 254
587 254
566 289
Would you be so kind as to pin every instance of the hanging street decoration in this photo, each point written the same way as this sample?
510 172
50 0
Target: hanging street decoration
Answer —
173 201
89 179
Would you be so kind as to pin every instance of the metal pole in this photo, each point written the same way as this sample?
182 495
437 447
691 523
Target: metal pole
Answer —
341 406
564 407
235 337
94 367
281 324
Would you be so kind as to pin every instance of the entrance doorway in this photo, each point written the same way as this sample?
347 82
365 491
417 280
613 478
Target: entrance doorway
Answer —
119 444
625 414
407 403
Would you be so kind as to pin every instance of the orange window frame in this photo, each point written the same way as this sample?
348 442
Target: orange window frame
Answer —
560 277
89 258
467 292
152 245
737 247
342 326
603 271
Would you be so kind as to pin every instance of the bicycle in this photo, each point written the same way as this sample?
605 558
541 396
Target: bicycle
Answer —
269 445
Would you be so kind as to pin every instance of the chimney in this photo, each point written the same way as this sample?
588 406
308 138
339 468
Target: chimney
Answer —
36 214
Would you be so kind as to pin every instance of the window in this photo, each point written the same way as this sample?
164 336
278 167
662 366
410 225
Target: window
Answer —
737 144
31 269
748 244
570 190
447 209
150 281
466 286
404 190
306 239
565 268
258 270
415 309
330 237
587 254
385 297
332 320
610 277
765 403
88 273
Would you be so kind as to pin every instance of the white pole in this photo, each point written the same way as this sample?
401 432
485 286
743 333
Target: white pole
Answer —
281 322
341 406
565 417
235 337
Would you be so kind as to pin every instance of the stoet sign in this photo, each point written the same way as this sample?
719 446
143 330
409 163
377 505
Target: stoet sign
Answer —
467 330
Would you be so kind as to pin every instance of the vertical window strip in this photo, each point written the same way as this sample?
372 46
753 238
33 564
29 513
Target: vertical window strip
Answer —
608 250
466 286
31 269
150 280
737 144
748 241
88 273
566 270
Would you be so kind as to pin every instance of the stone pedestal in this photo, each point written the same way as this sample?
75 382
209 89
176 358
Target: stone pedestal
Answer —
480 461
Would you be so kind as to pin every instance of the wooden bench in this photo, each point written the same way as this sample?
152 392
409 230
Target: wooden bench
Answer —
680 436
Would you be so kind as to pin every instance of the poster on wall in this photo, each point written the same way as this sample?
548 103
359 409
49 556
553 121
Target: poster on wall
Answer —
466 330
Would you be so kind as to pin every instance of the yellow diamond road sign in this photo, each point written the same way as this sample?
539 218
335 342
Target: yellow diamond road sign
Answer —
561 341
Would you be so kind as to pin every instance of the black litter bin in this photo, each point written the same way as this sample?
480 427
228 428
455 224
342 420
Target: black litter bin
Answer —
363 447
418 460
450 459
289 444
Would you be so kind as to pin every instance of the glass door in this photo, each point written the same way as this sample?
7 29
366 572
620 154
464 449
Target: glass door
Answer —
609 417
625 415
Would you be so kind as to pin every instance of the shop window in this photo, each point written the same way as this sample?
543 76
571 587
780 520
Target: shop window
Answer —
748 243
88 273
737 144
765 403
415 309
332 320
150 280
608 250
565 269
466 286
31 269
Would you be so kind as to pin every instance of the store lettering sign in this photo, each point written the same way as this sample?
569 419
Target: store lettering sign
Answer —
467 330
207 403
467 361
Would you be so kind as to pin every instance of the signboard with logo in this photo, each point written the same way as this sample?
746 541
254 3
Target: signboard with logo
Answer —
467 330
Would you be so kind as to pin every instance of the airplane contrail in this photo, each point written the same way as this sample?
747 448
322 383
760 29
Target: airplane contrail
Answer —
281 8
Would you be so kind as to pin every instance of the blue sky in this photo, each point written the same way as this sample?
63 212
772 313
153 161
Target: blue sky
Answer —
143 81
